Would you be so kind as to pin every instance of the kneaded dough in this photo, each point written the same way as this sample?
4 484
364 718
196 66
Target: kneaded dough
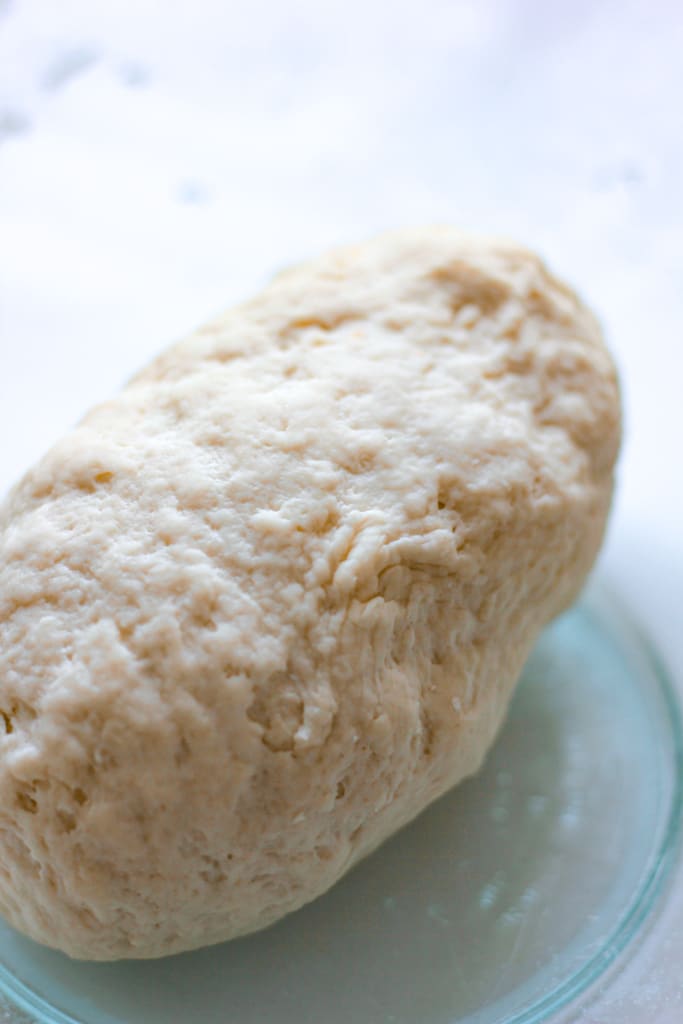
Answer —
262 608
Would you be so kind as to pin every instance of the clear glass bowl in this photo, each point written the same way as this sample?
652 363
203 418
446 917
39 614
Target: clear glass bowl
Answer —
503 902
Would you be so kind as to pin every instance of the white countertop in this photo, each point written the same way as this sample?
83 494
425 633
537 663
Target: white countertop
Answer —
159 160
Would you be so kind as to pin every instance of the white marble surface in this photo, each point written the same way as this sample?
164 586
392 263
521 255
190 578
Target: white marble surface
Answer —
158 160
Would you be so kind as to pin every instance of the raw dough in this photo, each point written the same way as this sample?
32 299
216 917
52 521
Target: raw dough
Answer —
262 608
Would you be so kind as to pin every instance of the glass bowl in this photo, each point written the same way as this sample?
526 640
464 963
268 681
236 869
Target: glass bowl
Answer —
503 902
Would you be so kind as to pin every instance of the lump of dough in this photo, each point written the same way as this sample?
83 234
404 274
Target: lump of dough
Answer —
262 608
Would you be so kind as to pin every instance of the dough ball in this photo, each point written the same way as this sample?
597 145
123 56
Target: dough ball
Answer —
257 612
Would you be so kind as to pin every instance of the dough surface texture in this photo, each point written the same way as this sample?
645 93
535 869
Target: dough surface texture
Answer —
264 606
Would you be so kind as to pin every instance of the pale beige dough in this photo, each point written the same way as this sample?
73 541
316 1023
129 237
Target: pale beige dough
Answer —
262 608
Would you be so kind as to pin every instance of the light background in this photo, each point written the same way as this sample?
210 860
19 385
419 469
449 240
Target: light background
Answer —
159 160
